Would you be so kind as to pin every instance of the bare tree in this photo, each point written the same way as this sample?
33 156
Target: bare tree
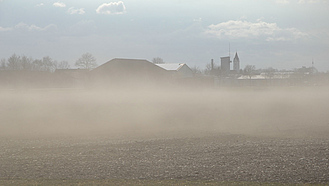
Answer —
3 64
63 65
26 63
48 64
14 62
196 71
37 65
212 69
158 60
269 72
249 70
86 61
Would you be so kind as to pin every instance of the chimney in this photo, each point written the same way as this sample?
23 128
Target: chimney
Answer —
212 64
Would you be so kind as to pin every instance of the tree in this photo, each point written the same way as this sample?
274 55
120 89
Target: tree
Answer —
86 61
212 69
249 70
3 64
48 64
63 65
37 65
26 63
269 72
14 62
196 71
157 60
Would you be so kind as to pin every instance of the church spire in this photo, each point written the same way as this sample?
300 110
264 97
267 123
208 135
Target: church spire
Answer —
236 62
236 55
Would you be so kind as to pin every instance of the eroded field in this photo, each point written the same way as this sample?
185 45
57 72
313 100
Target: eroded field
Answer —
267 136
233 158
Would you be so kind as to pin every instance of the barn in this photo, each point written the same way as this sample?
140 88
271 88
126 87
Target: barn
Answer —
120 72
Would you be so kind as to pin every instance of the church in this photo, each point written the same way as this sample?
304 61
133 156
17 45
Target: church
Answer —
226 65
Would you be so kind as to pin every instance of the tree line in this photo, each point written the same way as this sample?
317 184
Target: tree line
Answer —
212 69
46 64
88 61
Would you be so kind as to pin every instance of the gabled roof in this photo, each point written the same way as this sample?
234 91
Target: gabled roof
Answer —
171 66
122 61
128 67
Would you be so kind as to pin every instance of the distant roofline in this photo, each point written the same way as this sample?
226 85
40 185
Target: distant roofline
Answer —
118 58
122 59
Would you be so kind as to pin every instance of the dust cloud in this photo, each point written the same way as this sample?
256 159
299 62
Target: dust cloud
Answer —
281 112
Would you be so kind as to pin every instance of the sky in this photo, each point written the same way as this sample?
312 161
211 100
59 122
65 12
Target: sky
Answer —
283 34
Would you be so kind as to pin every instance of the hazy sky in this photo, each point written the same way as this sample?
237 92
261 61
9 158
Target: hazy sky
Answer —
283 34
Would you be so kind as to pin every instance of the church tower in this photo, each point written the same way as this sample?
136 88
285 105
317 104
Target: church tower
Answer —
236 63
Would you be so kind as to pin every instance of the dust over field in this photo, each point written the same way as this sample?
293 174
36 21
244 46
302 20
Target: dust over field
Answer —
285 112
242 135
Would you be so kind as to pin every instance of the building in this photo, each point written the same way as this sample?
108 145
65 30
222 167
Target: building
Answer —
236 63
225 63
128 72
177 70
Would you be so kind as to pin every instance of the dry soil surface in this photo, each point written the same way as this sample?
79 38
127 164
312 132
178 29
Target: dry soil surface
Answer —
215 157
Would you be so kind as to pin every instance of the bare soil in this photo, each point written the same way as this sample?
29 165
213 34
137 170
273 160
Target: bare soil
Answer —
213 157
55 137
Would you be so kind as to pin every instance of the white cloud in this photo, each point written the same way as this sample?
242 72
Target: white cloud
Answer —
30 28
111 8
300 1
59 4
73 10
5 29
40 4
197 20
282 1
258 30
310 1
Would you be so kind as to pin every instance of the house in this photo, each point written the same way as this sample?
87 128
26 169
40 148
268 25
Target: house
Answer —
177 70
128 72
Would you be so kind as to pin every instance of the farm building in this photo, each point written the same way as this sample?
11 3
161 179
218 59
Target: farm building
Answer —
177 70
128 72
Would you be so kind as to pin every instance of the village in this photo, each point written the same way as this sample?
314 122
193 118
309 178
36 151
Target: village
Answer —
24 72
